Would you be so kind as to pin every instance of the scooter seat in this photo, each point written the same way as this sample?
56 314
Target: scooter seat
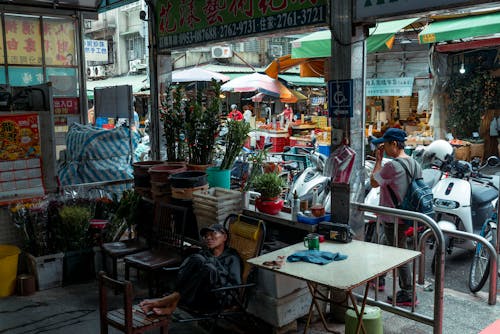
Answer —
482 194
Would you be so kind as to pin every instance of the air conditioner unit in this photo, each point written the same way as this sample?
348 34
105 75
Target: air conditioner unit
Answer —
96 71
222 52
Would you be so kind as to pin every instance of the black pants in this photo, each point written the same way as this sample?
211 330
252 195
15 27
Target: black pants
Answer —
197 276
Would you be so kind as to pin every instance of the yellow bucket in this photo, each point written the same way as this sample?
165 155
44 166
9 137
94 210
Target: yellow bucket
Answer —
8 269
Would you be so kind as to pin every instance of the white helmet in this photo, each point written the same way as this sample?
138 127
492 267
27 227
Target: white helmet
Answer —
440 149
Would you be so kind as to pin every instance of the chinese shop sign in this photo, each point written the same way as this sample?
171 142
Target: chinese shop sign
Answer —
96 50
188 22
66 105
24 43
20 163
389 86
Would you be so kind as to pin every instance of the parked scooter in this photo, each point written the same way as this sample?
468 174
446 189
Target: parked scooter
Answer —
464 199
312 179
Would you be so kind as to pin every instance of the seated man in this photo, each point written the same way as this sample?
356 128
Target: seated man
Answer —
214 267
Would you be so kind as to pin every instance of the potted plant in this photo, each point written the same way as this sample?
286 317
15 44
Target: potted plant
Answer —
173 114
71 230
237 133
203 110
269 186
44 259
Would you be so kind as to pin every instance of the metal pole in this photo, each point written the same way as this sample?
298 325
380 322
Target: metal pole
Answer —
153 75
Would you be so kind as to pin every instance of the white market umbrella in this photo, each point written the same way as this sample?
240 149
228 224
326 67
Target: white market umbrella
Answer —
257 82
197 74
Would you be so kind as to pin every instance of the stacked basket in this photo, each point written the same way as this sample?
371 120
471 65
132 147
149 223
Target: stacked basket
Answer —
215 204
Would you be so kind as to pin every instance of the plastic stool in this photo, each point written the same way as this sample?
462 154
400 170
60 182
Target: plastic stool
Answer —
372 320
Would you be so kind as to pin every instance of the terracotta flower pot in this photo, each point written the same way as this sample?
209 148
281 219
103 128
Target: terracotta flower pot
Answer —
271 206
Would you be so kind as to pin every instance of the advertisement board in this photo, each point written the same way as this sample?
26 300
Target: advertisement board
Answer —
182 23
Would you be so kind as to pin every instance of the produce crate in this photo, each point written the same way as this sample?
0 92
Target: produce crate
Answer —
48 270
215 204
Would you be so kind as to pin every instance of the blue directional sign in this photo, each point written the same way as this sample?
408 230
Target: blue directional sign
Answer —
340 98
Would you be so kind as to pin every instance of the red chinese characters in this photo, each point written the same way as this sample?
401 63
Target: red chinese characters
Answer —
188 16
165 24
244 6
212 11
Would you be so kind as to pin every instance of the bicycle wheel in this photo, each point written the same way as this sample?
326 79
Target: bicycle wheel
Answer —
480 267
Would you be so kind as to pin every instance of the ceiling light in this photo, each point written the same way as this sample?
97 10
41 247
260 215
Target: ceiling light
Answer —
462 69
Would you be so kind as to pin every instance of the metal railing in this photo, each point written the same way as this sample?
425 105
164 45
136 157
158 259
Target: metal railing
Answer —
437 320
492 293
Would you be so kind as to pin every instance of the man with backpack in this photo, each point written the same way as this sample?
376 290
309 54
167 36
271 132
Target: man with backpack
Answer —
393 178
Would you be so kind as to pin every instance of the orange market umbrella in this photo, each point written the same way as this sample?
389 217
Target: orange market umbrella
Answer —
309 67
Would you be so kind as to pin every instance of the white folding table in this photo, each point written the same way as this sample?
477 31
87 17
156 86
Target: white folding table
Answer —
365 261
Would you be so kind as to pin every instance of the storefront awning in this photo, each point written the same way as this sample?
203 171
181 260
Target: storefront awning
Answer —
464 27
318 44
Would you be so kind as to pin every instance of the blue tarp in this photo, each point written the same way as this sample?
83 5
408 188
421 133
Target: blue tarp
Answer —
96 155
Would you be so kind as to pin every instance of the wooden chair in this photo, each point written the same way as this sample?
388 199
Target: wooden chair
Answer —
246 236
168 245
128 319
120 248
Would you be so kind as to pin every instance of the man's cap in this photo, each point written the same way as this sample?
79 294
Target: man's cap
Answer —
213 228
391 134
234 106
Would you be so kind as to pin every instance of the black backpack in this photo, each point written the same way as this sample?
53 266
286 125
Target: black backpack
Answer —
418 197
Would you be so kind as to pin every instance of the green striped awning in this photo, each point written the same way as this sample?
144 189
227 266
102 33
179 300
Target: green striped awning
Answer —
464 27
319 43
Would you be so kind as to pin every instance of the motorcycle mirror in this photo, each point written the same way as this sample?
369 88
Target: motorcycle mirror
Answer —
286 149
493 161
268 145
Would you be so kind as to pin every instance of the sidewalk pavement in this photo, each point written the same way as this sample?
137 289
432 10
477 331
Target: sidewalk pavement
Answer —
74 309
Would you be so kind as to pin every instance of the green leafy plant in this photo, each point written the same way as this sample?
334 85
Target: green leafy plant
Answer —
173 114
257 161
269 185
203 110
237 133
72 228
127 208
470 96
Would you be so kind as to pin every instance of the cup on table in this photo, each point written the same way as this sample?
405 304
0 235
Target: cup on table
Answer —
311 241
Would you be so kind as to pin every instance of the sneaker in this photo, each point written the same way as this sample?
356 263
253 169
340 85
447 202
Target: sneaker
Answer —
403 298
381 284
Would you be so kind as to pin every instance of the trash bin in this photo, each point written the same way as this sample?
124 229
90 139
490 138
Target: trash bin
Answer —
8 269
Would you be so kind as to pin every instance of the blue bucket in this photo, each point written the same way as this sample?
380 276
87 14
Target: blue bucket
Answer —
219 177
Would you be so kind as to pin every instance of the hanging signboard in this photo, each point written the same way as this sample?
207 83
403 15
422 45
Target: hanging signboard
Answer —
386 8
96 50
402 86
20 158
200 21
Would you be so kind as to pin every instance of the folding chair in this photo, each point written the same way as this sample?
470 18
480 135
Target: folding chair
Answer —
129 319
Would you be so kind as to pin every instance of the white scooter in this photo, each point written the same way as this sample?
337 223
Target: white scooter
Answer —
312 179
465 200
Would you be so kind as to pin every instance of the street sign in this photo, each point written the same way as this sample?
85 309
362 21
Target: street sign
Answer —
340 98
